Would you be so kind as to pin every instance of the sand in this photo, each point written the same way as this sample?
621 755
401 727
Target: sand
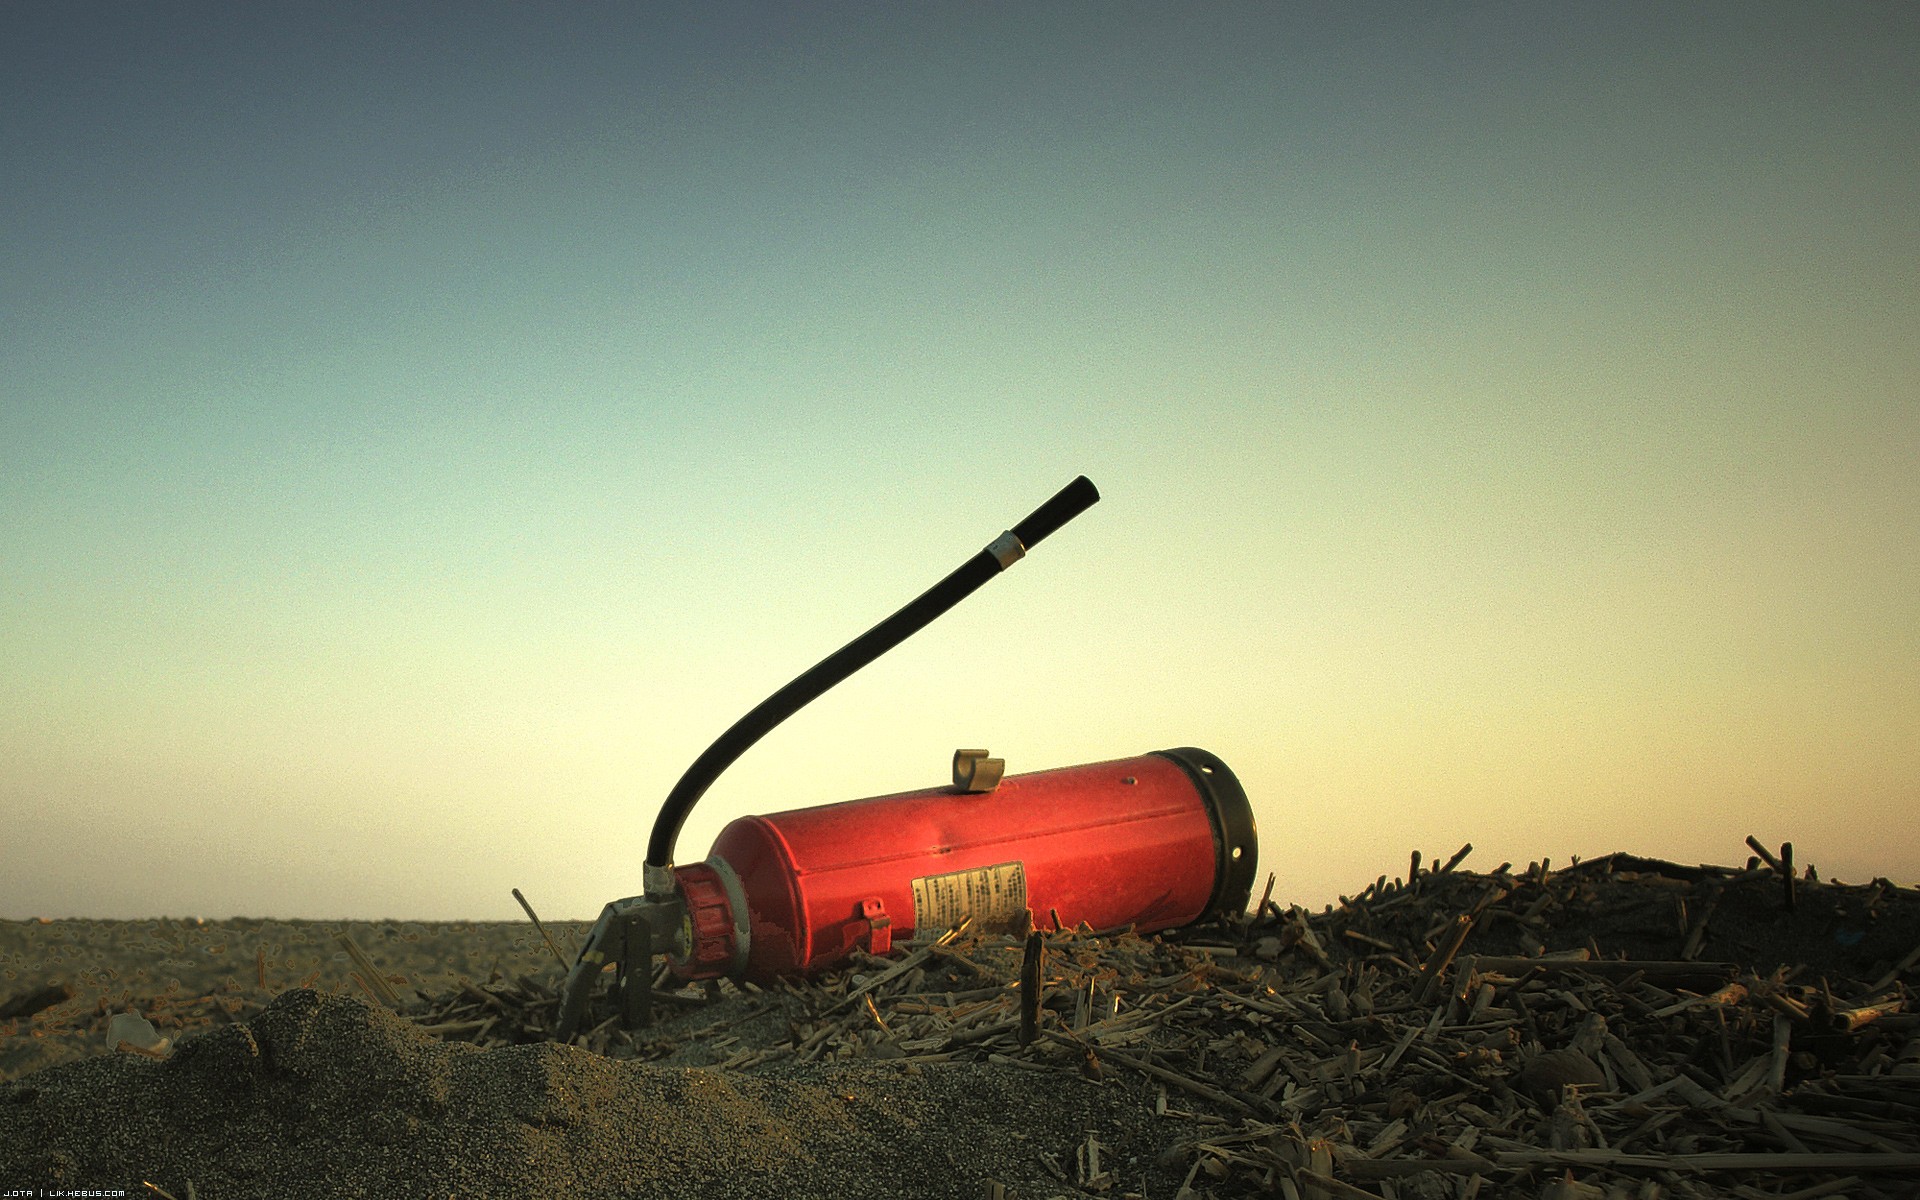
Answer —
327 1095
286 1079
320 1091
188 973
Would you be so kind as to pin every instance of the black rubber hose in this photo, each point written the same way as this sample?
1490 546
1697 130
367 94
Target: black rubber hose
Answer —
1068 503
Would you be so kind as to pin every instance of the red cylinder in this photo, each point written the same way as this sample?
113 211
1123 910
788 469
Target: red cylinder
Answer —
1154 842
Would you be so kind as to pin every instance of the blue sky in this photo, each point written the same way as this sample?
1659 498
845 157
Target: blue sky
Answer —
424 427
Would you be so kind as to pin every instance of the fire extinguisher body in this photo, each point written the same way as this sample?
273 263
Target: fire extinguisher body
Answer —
1154 842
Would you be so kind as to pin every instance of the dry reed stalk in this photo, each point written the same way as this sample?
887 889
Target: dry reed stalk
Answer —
1769 1161
1442 958
1032 988
1900 968
915 959
547 937
1184 1082
368 975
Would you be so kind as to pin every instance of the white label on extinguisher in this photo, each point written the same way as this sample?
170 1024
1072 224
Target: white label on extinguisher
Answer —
993 896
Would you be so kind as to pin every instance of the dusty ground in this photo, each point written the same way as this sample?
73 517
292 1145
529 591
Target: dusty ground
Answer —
1300 1055
188 974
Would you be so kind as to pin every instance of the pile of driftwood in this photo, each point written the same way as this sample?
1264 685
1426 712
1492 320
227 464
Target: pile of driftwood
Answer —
1612 1029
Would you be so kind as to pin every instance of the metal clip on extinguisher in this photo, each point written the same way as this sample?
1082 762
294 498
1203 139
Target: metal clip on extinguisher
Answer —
1156 841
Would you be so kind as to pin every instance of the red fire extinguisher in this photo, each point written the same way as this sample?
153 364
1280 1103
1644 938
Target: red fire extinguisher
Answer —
1155 842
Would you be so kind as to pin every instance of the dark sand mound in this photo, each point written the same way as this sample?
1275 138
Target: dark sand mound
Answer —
61 980
324 1095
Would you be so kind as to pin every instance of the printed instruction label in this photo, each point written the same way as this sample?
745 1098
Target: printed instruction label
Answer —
993 896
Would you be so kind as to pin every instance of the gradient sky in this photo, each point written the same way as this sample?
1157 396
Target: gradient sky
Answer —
424 427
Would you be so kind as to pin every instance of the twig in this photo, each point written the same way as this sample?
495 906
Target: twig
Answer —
1032 969
1766 855
1900 968
904 965
1442 958
370 974
1848 1020
1678 974
1730 1161
1266 896
1465 1163
1206 1090
1334 1187
534 917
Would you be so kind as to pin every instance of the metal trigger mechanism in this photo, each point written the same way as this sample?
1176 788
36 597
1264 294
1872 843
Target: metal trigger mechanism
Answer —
628 934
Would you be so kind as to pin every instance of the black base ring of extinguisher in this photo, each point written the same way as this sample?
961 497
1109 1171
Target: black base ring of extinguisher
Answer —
1236 844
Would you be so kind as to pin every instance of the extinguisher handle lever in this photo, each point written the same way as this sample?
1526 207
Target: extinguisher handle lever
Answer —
1066 504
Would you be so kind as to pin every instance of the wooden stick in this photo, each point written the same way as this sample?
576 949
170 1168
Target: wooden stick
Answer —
1822 1189
1334 1187
1900 968
1442 958
1777 1060
1262 1068
1850 1019
1727 996
1721 1161
1266 897
1766 855
903 966
1697 936
1195 1086
1782 1133
874 1012
370 974
1455 861
1400 1048
1656 971
1311 944
1032 969
1466 1163
535 918
452 1027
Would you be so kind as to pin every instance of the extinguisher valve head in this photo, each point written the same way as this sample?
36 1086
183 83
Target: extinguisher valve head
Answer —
714 932
660 882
